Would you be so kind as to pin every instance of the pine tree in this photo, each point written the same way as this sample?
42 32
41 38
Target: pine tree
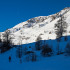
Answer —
6 44
60 27
19 51
0 37
38 43
65 38
58 49
33 57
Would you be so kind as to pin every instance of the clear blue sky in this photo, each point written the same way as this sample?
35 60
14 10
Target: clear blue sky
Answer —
13 12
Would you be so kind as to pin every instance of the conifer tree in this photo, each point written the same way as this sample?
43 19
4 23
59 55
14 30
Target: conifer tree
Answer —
60 27
38 43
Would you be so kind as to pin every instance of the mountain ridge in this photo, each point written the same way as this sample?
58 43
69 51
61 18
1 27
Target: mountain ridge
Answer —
42 26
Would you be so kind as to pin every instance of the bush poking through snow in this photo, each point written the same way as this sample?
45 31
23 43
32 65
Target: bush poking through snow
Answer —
25 50
58 49
46 50
19 51
31 56
67 49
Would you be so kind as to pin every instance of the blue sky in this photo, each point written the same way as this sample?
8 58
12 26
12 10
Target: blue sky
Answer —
13 12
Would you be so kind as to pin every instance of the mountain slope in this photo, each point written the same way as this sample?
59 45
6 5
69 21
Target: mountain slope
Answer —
43 26
59 62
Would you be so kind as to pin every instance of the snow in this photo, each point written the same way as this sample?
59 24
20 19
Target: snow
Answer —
55 62
58 62
39 26
26 33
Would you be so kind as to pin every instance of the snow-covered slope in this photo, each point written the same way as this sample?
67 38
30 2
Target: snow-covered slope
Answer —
58 62
43 26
